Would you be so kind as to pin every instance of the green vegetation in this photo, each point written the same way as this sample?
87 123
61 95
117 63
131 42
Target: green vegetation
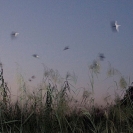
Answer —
51 109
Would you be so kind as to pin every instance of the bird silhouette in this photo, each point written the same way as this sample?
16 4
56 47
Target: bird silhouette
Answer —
35 55
66 48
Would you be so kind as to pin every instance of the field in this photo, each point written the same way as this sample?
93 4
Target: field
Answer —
50 109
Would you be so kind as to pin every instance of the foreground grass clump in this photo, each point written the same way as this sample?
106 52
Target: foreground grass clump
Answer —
50 109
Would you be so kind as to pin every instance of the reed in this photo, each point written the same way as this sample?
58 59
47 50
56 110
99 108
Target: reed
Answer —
51 109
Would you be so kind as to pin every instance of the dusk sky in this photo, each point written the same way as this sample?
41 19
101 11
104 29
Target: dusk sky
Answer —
45 27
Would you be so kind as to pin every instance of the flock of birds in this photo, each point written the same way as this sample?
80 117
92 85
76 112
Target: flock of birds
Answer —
114 26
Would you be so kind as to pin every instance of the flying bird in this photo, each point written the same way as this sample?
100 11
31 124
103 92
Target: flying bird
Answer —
101 56
14 34
35 55
33 77
66 48
115 26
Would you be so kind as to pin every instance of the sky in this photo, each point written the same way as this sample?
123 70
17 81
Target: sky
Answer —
46 26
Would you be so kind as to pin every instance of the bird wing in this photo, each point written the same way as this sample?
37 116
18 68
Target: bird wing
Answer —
117 28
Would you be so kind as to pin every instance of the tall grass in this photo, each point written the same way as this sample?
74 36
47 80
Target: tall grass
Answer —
50 109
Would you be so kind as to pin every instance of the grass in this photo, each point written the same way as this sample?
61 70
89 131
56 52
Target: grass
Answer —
50 109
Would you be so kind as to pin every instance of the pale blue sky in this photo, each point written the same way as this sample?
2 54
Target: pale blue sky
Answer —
46 26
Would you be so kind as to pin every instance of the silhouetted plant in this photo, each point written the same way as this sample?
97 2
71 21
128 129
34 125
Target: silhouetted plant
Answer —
4 88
